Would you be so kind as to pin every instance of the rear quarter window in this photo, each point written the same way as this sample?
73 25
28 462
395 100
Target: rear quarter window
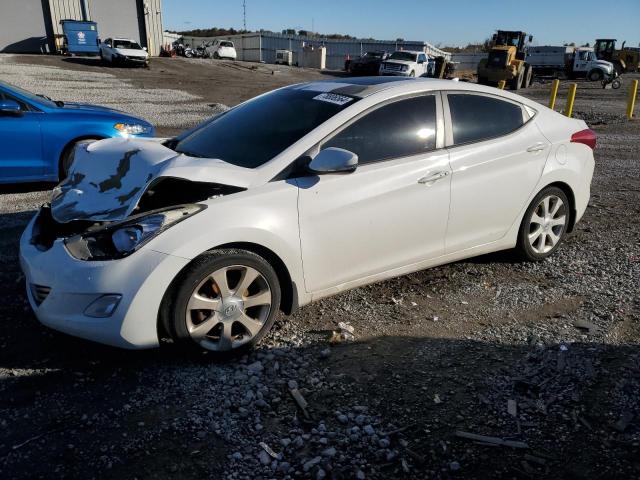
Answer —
480 117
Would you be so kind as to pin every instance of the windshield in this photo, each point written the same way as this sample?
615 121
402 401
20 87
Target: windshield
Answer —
226 44
41 99
411 57
126 44
373 54
255 132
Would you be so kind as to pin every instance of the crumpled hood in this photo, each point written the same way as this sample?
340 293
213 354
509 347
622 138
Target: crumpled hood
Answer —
108 178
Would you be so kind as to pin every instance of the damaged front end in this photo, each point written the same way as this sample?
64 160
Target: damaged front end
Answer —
108 209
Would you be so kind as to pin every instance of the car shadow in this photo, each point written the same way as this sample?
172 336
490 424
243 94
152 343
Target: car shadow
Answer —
28 187
85 61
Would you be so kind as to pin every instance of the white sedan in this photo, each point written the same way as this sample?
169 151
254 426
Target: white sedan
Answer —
123 51
295 195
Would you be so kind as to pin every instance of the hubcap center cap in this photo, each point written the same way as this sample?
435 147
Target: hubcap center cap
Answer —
231 308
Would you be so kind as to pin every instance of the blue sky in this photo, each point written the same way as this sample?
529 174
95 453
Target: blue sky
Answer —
446 22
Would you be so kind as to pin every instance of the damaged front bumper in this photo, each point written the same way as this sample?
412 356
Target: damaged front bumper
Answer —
61 289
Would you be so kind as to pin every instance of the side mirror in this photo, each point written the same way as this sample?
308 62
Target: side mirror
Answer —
333 160
10 107
530 38
144 48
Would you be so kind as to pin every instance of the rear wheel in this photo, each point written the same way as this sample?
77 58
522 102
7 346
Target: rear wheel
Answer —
225 302
216 56
544 225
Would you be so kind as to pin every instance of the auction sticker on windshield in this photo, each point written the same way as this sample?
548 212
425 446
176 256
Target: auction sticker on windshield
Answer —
333 98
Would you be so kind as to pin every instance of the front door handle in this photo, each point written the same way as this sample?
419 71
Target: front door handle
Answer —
433 177
537 147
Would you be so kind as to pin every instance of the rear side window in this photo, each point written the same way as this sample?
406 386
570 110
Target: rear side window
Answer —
479 117
402 128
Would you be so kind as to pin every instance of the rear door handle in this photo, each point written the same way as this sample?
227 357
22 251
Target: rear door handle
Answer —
537 147
433 177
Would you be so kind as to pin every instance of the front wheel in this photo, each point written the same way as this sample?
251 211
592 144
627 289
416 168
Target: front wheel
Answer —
66 160
412 73
544 225
595 75
225 302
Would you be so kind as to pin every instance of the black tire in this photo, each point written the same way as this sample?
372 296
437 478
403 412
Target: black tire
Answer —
412 73
524 249
528 77
67 157
595 75
517 82
173 312
216 56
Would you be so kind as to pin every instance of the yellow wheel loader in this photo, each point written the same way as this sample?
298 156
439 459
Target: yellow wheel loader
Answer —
627 59
506 61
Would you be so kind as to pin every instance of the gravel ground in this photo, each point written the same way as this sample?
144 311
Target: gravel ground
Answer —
542 359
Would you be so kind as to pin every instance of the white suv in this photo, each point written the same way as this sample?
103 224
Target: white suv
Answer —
406 63
222 49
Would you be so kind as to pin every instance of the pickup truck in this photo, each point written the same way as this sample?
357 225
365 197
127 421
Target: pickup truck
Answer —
574 62
406 63
367 64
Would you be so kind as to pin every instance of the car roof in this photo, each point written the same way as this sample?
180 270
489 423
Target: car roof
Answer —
362 87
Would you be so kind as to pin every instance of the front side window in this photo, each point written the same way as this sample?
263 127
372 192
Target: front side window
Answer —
480 117
398 129
255 132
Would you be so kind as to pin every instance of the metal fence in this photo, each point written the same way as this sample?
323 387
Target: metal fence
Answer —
262 46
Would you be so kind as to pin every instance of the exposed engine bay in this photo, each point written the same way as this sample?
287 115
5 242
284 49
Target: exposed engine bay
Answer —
108 208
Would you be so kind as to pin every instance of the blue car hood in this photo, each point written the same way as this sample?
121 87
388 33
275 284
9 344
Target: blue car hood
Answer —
108 177
88 107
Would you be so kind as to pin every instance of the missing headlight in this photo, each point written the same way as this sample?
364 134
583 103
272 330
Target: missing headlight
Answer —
118 240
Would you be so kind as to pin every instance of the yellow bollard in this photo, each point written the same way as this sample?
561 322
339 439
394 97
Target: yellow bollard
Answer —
631 103
568 109
554 93
501 84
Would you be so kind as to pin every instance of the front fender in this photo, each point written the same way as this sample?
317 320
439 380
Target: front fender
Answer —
266 216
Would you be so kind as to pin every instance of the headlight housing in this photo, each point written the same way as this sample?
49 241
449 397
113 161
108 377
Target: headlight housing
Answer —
132 128
405 68
118 240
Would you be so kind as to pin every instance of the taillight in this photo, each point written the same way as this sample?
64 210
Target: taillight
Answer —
587 137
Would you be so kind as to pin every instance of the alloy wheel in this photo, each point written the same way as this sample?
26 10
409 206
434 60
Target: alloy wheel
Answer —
547 224
228 308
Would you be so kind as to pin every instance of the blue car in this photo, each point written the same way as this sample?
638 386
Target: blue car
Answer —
38 135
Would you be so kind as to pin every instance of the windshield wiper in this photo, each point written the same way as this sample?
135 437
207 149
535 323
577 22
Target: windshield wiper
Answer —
44 96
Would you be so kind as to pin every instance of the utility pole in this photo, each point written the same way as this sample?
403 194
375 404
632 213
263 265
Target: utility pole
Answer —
244 14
